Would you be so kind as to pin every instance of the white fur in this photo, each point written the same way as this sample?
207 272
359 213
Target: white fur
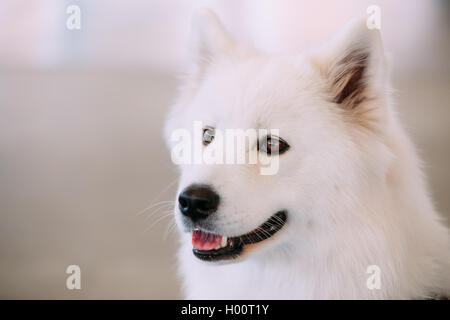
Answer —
355 196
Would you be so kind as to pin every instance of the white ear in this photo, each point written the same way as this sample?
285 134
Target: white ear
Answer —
209 41
353 63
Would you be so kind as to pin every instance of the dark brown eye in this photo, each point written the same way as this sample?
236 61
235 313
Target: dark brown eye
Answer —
208 135
273 145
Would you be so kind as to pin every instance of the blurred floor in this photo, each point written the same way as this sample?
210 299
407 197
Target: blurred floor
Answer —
81 152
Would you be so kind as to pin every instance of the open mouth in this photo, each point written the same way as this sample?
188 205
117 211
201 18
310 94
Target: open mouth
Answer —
212 247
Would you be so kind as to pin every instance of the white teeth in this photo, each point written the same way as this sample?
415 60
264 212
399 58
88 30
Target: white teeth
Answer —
223 244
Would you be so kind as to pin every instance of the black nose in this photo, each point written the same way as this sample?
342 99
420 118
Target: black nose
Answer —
198 201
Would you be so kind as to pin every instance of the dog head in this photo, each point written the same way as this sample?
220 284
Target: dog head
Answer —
329 110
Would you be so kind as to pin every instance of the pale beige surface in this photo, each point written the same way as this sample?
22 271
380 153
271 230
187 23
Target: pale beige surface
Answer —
81 155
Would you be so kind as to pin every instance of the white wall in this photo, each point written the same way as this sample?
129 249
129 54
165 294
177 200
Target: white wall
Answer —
154 33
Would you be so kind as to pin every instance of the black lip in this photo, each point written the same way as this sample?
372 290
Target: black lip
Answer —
236 244
229 252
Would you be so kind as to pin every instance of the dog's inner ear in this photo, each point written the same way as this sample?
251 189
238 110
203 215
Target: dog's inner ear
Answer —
348 78
353 65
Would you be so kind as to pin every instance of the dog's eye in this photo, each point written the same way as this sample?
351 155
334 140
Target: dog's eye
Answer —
273 145
208 135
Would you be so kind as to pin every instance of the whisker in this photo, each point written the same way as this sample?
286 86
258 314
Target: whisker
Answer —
258 235
266 233
170 228
155 205
166 215
279 219
165 206
165 189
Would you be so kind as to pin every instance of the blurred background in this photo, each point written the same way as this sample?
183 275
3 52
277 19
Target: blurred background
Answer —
81 116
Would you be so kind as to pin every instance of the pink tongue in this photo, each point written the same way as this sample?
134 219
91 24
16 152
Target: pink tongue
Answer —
202 240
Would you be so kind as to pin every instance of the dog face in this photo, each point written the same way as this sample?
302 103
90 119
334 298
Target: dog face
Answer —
321 104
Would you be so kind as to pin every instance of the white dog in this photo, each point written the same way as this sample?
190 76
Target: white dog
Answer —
346 216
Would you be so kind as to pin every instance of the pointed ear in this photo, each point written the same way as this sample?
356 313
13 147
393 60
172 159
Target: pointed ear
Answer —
353 64
209 41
